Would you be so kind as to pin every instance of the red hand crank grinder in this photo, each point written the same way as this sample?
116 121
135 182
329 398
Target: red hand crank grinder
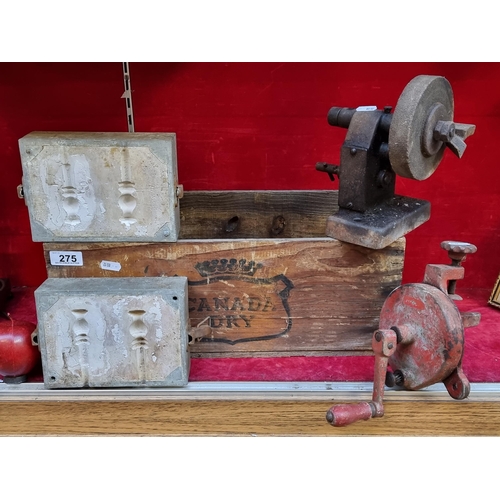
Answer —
420 340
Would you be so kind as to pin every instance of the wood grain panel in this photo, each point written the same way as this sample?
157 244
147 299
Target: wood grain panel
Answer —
256 214
300 296
243 418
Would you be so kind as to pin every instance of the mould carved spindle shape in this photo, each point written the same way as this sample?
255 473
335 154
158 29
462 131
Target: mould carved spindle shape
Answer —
70 201
139 330
81 331
127 201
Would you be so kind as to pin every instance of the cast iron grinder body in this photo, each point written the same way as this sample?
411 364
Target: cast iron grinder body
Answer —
420 340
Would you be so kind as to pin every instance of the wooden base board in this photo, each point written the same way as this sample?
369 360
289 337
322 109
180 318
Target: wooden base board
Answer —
248 418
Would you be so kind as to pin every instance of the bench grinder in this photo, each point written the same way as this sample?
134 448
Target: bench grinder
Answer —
378 145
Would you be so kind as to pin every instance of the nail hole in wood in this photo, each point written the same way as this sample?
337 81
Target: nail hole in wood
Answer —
278 225
232 224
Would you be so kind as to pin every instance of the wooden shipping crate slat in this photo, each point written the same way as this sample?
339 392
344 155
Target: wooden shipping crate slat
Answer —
298 296
255 214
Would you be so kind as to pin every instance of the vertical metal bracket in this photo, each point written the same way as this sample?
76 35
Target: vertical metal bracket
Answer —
127 95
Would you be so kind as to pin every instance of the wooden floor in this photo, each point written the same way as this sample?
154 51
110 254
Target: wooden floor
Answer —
406 414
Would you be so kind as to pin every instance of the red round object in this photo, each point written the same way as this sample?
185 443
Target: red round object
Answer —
435 333
18 356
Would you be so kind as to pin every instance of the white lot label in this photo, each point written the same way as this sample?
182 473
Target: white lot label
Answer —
107 265
366 108
60 258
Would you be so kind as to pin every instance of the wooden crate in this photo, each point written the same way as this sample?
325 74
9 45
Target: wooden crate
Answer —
260 273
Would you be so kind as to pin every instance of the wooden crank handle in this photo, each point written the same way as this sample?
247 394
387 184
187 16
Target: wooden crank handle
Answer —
345 414
383 345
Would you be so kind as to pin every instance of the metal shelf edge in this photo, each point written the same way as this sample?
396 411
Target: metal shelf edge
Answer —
242 391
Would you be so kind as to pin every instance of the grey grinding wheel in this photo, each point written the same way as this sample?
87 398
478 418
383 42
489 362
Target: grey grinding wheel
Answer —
413 152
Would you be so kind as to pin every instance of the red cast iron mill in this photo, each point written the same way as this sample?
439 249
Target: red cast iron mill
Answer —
420 340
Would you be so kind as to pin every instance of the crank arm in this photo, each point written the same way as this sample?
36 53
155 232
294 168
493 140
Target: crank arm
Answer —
384 344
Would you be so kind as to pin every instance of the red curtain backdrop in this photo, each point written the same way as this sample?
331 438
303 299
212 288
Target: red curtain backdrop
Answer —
257 126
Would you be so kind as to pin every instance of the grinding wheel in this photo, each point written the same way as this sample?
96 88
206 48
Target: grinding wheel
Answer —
413 151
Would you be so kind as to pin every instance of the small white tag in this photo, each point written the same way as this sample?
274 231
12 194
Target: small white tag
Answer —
66 258
366 108
110 266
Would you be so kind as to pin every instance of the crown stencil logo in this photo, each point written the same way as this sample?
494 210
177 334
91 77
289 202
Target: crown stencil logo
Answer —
227 266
